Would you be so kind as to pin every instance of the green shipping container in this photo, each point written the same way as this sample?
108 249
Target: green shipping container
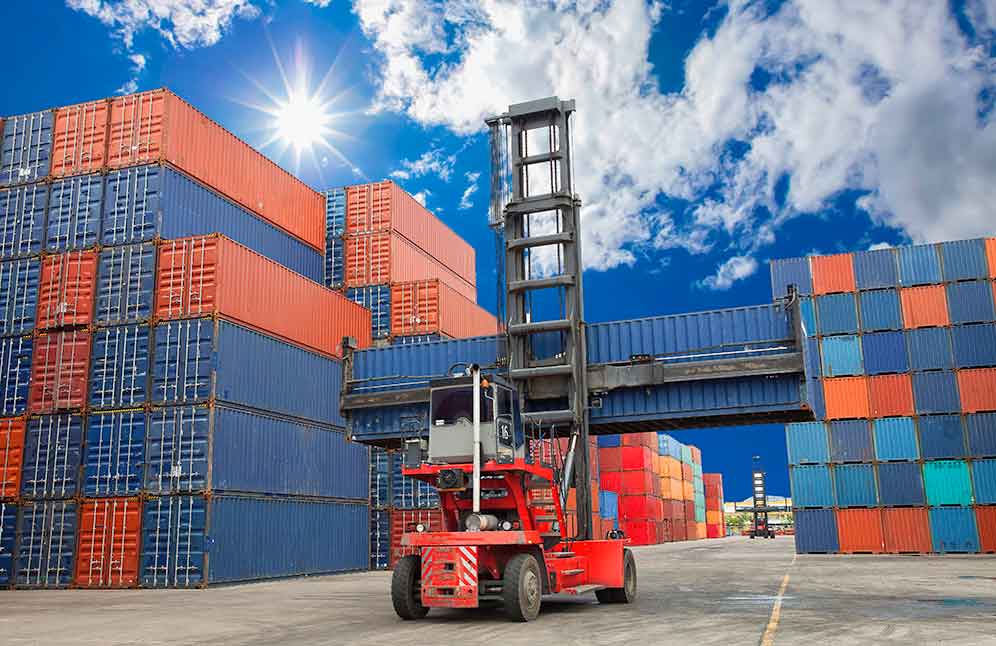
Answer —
947 483
686 454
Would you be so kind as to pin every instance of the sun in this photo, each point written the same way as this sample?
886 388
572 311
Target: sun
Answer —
301 121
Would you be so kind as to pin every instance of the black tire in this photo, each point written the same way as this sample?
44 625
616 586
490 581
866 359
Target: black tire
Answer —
627 593
522 587
406 600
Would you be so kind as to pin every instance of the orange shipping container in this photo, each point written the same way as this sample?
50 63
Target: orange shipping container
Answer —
79 139
986 520
890 395
687 473
389 257
906 530
978 389
846 398
687 490
385 206
109 533
675 490
66 290
212 275
60 369
714 517
432 307
696 455
860 530
158 126
991 253
833 274
670 467
925 306
11 455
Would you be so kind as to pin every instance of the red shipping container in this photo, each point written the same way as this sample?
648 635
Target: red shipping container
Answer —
432 307
405 521
678 530
860 530
11 455
212 275
639 439
79 138
610 459
832 274
978 389
890 395
60 367
991 253
640 532
632 482
925 306
906 530
389 257
691 529
985 518
67 289
687 472
673 509
696 455
385 206
158 126
689 506
640 507
715 531
109 534
846 398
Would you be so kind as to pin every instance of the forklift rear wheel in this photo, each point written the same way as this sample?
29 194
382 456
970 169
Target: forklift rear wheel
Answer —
407 602
522 588
627 593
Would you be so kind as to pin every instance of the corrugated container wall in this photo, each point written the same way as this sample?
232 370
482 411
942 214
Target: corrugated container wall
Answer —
953 529
52 456
15 374
431 307
816 531
18 295
60 371
875 269
26 148
974 346
900 484
388 257
120 367
377 299
833 273
919 265
46 550
8 533
895 439
79 141
22 220
964 259
114 459
75 213
385 367
791 271
126 281
109 536
884 352
66 289
12 431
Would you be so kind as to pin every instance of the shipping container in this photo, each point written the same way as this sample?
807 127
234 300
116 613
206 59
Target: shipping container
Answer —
126 280
392 366
984 481
46 546
52 456
335 263
846 397
900 484
381 472
26 150
15 374
18 295
385 206
930 349
335 213
974 345
936 392
110 530
895 439
880 310
407 421
74 213
114 456
942 436
158 202
60 368
953 529
66 290
860 531
432 307
981 435
841 355
854 485
11 455
807 311
884 352
120 367
380 540
8 532
807 443
608 505
890 395
985 518
919 265
791 271
79 140
815 531
421 338
850 441
875 269
377 299
963 259
977 389
22 220
991 254
214 276
971 302
248 538
158 126
811 486
389 257
947 482
837 314
906 531
925 306
833 274
200 449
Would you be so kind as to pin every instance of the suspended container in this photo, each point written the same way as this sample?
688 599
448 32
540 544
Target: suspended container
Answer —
837 314
890 395
884 353
74 214
947 482
432 307
15 375
126 282
936 392
900 484
377 299
925 306
930 349
977 389
52 456
59 372
833 274
18 295
46 547
971 302
981 430
109 535
953 529
26 148
895 439
876 269
12 431
846 398
792 271
392 367
919 265
841 355
22 220
79 141
964 259
880 310
66 290
942 436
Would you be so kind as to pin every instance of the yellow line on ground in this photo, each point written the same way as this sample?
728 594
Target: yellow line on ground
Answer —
768 639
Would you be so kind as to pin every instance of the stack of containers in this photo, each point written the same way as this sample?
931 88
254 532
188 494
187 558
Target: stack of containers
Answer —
715 519
158 384
397 505
335 227
698 486
672 488
902 344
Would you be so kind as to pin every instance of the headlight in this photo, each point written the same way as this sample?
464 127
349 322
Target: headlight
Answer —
506 525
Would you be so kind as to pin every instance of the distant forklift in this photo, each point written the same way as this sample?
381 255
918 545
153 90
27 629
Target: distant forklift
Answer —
760 527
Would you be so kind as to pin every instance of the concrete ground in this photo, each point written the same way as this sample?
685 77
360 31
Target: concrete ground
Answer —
706 592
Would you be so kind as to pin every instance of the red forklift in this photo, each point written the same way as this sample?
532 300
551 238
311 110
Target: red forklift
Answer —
505 532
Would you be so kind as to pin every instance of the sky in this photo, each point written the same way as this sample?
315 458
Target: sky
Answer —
711 136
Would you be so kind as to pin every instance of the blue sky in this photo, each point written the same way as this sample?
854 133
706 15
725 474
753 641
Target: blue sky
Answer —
711 136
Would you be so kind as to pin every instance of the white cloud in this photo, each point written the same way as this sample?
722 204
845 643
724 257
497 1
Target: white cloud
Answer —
466 201
138 62
422 196
879 97
879 245
433 161
734 269
319 3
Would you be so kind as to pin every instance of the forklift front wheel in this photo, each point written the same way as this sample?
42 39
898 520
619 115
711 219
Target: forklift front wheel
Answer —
627 593
404 594
522 587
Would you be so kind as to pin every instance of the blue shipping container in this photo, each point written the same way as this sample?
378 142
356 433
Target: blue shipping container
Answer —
120 367
919 265
199 360
74 208
413 340
984 481
15 373
335 212
807 309
115 454
807 443
416 365
52 456
953 529
791 271
608 505
22 220
609 441
895 439
196 449
880 310
249 538
930 348
46 552
971 302
815 531
409 493
380 540
841 355
814 398
18 295
811 486
26 150
974 345
837 314
900 484
936 392
964 259
335 262
377 299
8 530
149 202
981 434
850 441
811 357
126 284
941 436
854 485
388 422
381 472
875 269
884 352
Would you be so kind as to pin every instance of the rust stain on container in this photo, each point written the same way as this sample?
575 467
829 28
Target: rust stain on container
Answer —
11 456
906 530
860 530
109 534
925 306
833 274
891 395
60 368
79 138
978 389
67 289
846 398
432 307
